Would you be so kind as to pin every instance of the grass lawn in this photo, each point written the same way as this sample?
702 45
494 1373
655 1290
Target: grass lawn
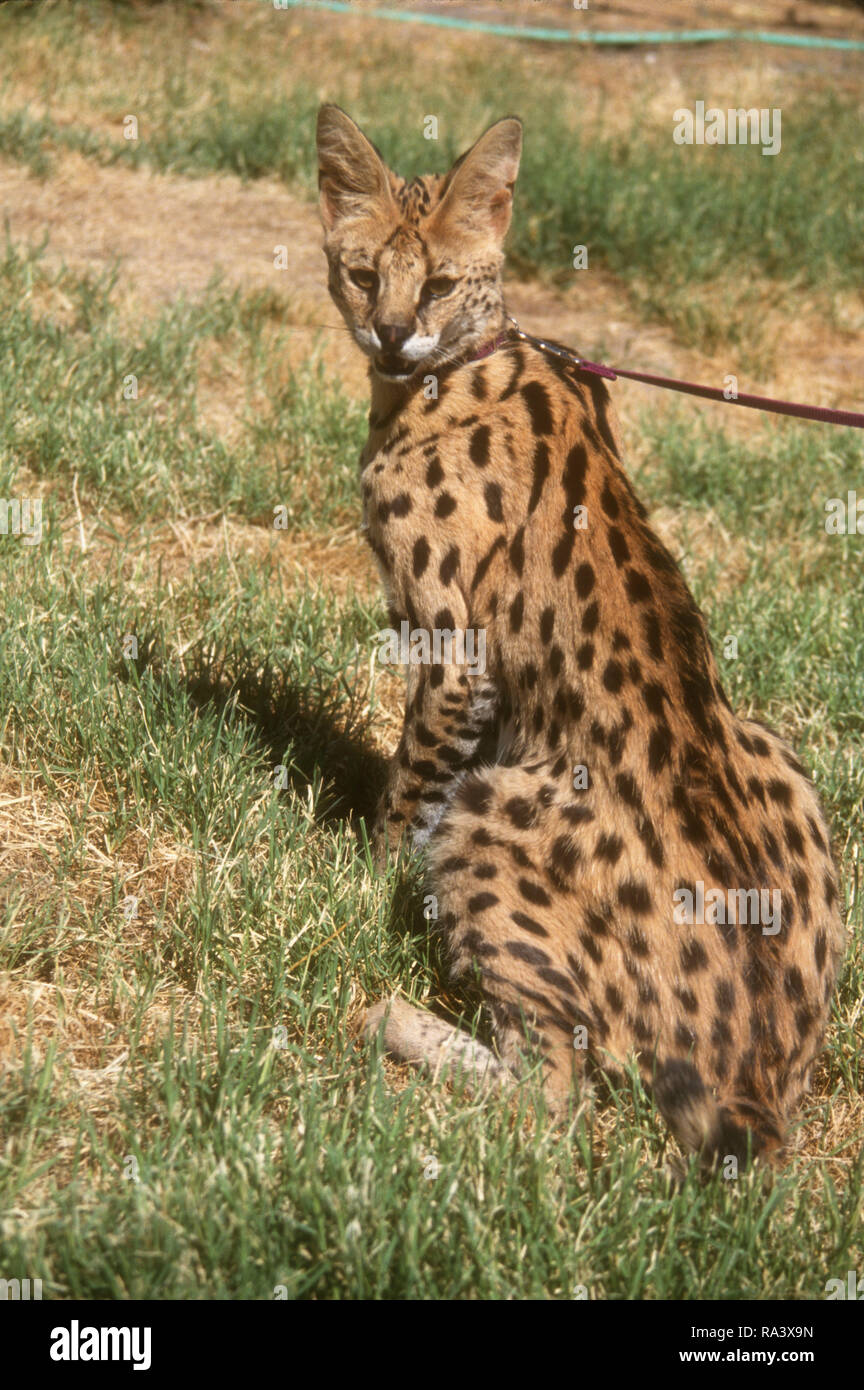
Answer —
192 727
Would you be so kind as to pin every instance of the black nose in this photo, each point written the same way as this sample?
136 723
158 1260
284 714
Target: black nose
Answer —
393 335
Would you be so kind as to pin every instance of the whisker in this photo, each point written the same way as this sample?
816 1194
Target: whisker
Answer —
333 327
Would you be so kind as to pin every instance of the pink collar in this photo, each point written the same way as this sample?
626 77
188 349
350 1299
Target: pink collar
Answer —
489 348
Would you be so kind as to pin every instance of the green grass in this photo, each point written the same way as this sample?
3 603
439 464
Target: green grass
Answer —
769 493
302 1166
66 403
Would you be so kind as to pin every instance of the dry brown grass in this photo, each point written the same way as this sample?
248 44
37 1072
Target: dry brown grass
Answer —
81 1014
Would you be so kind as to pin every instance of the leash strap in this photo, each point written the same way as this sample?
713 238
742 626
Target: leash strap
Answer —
854 419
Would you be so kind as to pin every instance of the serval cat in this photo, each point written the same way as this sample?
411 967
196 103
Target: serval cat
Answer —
574 792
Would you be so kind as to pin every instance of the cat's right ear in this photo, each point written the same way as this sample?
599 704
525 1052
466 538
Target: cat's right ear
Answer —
352 176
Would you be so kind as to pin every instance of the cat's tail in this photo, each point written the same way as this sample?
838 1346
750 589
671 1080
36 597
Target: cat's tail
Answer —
716 1129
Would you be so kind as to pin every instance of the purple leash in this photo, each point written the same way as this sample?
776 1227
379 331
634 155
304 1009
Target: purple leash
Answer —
852 418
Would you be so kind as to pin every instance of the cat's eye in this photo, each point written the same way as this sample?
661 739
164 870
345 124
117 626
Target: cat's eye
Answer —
438 286
363 279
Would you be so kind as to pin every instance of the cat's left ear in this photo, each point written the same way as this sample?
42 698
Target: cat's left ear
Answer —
478 192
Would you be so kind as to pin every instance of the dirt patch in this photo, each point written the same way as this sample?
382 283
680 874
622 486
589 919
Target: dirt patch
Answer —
171 233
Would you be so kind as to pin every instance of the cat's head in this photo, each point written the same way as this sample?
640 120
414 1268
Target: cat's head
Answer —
415 267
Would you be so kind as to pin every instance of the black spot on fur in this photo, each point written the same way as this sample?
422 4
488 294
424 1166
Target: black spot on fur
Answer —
434 473
609 502
528 924
520 812
483 567
541 473
591 947
618 546
659 748
609 847
449 565
478 448
517 551
614 999
531 955
517 612
584 580
533 893
475 794
693 957
634 894
638 588
780 792
536 398
481 901
651 628
565 856
492 495
420 557
613 676
591 618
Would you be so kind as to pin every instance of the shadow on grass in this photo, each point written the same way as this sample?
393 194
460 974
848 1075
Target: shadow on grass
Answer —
316 731
319 733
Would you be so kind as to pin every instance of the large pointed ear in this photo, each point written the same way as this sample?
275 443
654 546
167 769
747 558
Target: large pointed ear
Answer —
352 177
478 194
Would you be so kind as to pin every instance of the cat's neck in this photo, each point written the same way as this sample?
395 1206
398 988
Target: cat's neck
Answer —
389 396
